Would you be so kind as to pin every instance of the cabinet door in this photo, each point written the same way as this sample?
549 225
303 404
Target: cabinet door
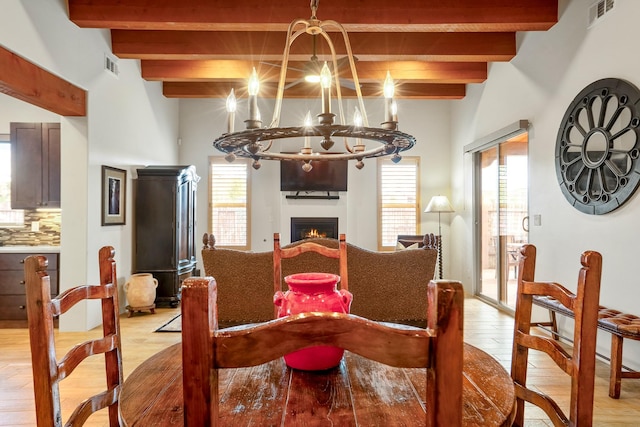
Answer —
35 160
51 165
192 221
156 224
186 226
182 226
26 165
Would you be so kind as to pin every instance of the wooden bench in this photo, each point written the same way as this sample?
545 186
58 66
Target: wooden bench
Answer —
618 324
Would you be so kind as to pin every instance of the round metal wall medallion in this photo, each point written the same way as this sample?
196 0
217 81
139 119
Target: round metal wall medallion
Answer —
597 147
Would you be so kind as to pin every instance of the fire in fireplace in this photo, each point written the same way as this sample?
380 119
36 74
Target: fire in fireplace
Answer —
304 228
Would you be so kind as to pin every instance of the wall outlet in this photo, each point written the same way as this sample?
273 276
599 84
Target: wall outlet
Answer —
35 226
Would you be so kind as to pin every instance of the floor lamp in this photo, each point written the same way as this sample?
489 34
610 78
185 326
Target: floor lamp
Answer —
439 204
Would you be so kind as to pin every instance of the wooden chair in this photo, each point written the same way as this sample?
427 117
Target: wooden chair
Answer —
280 253
438 348
47 370
580 364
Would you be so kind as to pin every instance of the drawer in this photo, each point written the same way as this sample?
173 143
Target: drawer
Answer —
13 307
16 261
12 282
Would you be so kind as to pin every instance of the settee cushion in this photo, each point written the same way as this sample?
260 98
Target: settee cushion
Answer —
245 284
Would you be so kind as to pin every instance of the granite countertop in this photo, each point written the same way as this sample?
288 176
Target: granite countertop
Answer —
29 249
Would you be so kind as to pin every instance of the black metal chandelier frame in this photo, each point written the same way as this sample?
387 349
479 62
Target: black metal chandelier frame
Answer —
256 142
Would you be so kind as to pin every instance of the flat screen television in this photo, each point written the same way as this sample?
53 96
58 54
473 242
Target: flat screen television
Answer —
325 176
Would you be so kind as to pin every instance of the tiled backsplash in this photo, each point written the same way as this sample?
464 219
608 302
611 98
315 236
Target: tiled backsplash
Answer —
48 234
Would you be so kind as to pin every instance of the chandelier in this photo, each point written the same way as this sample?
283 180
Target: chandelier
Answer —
260 143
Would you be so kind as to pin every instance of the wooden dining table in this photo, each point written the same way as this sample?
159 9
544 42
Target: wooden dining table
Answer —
358 392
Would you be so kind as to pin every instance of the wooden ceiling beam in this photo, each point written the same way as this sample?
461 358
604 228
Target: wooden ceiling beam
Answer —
432 47
304 90
368 72
28 82
260 15
269 46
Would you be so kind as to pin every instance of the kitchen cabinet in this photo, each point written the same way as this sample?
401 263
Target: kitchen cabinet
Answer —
35 165
165 220
13 299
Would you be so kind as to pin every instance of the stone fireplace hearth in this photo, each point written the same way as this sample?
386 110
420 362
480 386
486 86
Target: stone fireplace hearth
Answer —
304 228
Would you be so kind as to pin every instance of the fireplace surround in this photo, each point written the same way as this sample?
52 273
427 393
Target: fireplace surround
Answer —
306 227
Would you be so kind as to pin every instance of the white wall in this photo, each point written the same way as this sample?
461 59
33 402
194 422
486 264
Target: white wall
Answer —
129 123
539 85
202 121
12 107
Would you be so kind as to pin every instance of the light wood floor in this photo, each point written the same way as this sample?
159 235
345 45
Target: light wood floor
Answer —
485 328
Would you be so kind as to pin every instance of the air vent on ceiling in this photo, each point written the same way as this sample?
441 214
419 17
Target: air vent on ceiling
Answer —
598 10
111 64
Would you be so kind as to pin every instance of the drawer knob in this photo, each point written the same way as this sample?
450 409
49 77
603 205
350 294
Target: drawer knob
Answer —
22 282
22 307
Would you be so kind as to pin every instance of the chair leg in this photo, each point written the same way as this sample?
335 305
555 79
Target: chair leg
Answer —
554 325
615 376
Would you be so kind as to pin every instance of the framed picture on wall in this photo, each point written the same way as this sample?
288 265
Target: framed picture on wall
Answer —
114 186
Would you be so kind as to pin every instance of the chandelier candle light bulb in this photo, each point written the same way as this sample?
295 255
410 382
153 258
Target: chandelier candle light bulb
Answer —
357 123
389 90
231 111
325 82
394 111
254 113
307 140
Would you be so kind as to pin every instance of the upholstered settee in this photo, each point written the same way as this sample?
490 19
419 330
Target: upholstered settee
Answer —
386 286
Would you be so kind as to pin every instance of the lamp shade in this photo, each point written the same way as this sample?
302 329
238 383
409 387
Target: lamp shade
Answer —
439 204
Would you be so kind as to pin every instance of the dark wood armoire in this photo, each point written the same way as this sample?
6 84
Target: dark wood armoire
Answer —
165 225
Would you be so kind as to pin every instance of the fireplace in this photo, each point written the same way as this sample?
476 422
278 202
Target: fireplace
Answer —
304 228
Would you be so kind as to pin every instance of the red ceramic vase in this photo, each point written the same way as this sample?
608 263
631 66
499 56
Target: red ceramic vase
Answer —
313 292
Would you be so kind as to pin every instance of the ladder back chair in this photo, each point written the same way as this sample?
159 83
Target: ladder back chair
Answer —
580 363
279 253
438 348
48 371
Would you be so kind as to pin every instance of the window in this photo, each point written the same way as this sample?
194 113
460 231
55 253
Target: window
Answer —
229 202
8 216
398 201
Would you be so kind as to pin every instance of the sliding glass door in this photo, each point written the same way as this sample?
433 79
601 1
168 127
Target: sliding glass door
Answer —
502 216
